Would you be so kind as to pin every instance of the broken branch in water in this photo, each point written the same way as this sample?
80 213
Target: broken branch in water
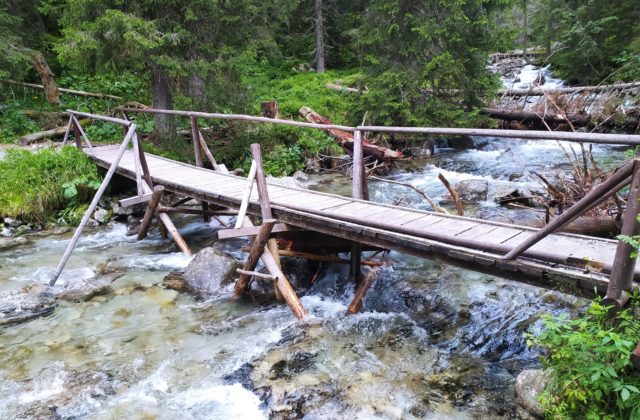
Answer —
432 203
454 194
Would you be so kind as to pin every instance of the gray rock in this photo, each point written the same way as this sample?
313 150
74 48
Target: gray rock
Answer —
79 290
529 385
300 176
208 271
22 305
101 216
472 190
92 223
6 232
117 210
8 243
11 222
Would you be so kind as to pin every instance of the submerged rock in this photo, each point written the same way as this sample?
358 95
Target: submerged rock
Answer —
529 385
473 190
22 305
79 290
208 271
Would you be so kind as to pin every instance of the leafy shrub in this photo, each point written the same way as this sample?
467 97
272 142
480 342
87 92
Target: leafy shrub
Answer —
592 375
33 186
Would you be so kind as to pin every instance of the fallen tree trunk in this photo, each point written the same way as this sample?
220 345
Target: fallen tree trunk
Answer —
345 138
342 88
568 90
68 91
51 91
586 225
577 120
47 134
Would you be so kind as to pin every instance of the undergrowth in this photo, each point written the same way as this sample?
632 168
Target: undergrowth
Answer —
592 374
46 185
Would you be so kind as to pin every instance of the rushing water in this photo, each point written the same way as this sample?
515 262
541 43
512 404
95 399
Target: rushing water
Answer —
431 341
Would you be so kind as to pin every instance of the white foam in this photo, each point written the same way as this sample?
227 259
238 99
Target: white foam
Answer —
45 386
223 401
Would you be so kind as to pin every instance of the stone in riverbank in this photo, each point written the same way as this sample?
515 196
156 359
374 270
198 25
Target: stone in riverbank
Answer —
208 272
529 385
22 305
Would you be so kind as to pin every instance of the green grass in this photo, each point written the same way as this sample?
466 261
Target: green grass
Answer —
34 187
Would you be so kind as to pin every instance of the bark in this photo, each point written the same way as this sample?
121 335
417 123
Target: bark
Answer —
195 89
567 90
530 119
269 109
164 131
48 83
319 38
345 138
47 134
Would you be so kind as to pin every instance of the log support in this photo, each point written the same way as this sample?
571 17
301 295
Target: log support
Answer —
358 192
365 284
158 191
257 249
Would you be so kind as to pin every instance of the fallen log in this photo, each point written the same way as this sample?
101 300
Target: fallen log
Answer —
48 134
569 90
68 91
345 138
586 225
577 120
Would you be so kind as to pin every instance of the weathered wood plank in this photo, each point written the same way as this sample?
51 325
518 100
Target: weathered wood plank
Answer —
253 230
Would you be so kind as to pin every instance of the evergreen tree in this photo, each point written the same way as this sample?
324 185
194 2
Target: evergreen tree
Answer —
426 60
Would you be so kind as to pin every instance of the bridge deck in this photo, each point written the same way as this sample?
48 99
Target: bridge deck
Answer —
471 243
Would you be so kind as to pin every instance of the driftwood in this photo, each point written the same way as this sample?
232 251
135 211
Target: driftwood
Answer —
68 91
577 120
570 90
454 194
365 284
587 225
47 134
345 139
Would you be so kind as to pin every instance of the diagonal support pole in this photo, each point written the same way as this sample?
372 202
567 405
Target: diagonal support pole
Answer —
596 195
624 264
93 205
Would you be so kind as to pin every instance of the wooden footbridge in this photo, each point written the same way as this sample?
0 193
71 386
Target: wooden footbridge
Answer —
533 255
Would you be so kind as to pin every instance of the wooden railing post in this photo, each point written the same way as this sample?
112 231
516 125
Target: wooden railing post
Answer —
358 192
197 151
624 264
76 132
66 133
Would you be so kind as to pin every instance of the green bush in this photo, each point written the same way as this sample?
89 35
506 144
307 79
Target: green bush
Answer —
34 186
592 375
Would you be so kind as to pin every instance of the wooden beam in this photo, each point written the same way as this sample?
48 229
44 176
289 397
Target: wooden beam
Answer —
242 213
257 249
256 274
173 231
253 230
624 262
158 191
92 205
322 258
128 202
365 284
602 190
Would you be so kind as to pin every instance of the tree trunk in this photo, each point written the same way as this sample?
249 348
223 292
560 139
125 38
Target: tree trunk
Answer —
269 109
50 87
319 38
164 130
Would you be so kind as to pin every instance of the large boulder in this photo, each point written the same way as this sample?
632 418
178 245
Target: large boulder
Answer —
529 385
209 270
473 190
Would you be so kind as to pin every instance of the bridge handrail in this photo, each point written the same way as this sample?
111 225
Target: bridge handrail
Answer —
600 138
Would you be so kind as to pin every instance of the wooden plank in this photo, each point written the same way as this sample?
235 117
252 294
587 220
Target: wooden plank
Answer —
477 231
399 216
424 222
127 202
253 230
453 226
